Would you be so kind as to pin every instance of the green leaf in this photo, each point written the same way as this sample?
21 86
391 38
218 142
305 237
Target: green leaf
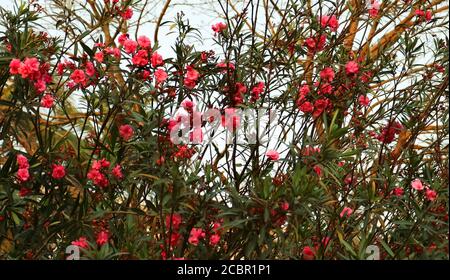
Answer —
387 248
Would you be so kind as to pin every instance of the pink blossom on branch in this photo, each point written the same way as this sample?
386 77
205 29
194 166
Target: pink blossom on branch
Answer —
219 27
417 185
329 21
195 236
272 155
58 171
347 211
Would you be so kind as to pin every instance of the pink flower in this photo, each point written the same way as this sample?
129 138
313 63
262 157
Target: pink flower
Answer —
22 161
273 155
306 107
117 172
318 170
316 44
321 105
114 51
40 86
99 164
191 77
23 174
304 90
257 90
214 239
190 84
419 13
398 191
191 73
32 63
98 178
219 27
431 194
127 14
348 180
284 206
351 68
58 171
417 185
428 15
122 38
347 211
308 253
157 60
81 242
388 133
29 67
78 77
47 101
331 22
216 226
160 76
363 100
99 56
241 89
102 238
195 235
144 42
129 46
374 8
174 220
325 88
24 191
90 69
226 66
327 74
373 12
14 66
188 104
140 59
60 68
126 132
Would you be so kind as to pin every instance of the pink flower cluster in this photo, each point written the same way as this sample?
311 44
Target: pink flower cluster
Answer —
219 27
102 238
191 77
23 174
83 76
388 133
272 155
197 234
329 21
99 170
346 211
430 194
31 69
58 171
116 8
424 15
374 8
126 132
324 87
316 43
257 90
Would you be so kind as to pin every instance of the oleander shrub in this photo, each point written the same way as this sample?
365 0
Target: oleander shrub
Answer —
108 150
